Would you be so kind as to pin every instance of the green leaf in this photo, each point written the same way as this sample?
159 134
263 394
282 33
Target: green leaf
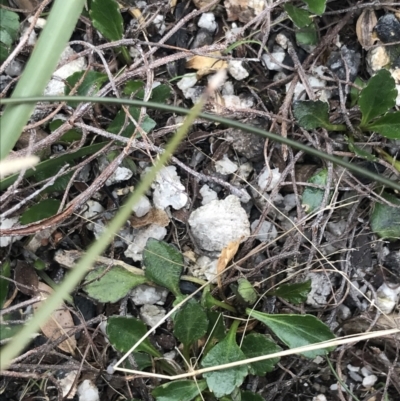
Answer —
297 330
256 344
134 87
224 382
107 19
385 219
387 126
4 272
112 286
378 96
4 52
164 264
360 152
307 35
355 93
48 167
124 332
295 293
247 291
143 361
190 323
91 83
160 93
40 211
299 16
7 331
216 327
312 197
5 38
9 22
316 6
70 136
179 390
311 115
249 396
120 121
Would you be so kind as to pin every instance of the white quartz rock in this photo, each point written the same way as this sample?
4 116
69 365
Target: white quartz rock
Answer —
168 189
218 223
225 166
142 207
207 21
270 59
236 69
87 391
387 297
152 314
268 179
187 81
8 223
140 237
120 173
56 85
208 194
93 209
146 294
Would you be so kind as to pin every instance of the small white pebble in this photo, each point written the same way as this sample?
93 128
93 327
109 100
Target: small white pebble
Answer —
319 397
87 391
237 70
225 166
188 81
207 21
270 60
369 381
365 371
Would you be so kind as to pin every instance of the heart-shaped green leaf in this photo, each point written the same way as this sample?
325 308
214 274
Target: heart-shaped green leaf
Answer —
316 6
124 332
377 97
385 219
164 264
296 330
190 322
107 19
257 344
312 197
184 390
311 115
387 126
224 382
295 293
299 16
112 286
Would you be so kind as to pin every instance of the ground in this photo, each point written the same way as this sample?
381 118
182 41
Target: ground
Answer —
278 214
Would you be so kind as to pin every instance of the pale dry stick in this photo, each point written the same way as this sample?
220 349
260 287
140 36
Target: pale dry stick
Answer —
25 37
297 350
300 71
19 305
34 194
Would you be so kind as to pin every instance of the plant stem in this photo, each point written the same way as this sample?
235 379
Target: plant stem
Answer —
229 123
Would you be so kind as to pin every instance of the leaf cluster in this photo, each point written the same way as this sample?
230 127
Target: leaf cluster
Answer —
197 320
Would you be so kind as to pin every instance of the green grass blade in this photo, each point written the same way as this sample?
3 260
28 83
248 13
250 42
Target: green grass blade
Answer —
37 73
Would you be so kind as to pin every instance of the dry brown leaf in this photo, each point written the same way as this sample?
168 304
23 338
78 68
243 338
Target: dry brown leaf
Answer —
154 216
26 279
364 28
59 323
226 256
243 10
202 3
206 65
